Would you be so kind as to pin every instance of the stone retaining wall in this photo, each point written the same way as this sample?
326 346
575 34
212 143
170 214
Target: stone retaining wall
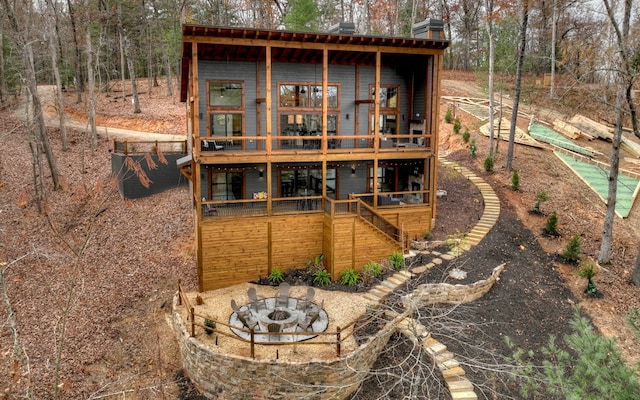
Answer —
433 293
225 376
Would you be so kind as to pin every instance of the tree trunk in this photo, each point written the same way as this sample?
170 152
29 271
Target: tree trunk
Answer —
79 79
518 84
56 74
92 92
607 231
38 117
132 76
636 270
554 32
3 77
489 25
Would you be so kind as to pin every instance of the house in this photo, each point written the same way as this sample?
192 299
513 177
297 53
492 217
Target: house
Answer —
308 143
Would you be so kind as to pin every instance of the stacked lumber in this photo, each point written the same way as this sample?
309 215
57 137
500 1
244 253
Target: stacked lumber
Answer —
569 130
591 127
502 132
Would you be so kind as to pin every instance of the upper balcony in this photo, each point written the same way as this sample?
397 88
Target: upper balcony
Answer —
309 144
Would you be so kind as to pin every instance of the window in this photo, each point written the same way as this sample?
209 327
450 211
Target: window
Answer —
305 179
227 185
306 96
225 94
225 110
389 109
300 113
386 179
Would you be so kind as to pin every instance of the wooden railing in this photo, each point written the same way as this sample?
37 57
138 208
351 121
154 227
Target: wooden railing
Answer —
152 147
333 338
230 145
371 215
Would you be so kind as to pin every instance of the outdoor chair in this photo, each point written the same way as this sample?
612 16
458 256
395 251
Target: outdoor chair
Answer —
274 328
208 145
304 304
244 316
256 303
309 319
282 298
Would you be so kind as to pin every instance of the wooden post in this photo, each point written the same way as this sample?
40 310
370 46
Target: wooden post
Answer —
179 292
253 345
338 330
193 322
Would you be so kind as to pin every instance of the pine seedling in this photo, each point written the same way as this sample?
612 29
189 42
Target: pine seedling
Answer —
551 227
572 251
515 180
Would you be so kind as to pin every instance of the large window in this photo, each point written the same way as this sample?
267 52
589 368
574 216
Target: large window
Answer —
227 185
389 109
298 180
300 113
225 110
225 94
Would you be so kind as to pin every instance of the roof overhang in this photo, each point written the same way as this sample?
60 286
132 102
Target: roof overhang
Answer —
245 44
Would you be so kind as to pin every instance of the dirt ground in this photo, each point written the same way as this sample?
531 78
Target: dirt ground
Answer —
90 280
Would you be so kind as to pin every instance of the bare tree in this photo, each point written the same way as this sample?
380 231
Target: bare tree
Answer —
518 84
37 118
625 78
53 39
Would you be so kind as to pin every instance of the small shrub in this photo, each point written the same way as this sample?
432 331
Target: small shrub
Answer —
199 300
276 275
551 227
588 271
572 251
488 164
541 197
397 260
322 277
349 277
317 262
374 268
457 126
633 320
427 235
367 277
473 148
448 116
209 326
515 180
466 136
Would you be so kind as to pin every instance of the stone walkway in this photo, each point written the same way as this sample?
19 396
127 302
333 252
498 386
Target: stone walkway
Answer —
454 375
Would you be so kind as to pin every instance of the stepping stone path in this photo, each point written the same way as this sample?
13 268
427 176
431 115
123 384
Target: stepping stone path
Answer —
459 386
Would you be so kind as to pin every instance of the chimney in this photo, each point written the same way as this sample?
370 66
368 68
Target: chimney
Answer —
428 29
343 28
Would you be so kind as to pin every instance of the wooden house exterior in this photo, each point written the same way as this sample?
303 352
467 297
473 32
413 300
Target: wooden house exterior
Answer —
307 143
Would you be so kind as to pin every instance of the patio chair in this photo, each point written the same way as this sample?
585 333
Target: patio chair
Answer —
256 303
274 328
304 304
244 316
211 145
309 319
282 298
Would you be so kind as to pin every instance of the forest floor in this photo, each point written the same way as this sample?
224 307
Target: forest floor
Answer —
90 279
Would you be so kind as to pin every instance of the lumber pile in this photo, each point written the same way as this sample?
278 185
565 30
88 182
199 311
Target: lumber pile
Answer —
569 130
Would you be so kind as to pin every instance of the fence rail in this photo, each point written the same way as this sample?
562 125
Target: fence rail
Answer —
154 147
339 334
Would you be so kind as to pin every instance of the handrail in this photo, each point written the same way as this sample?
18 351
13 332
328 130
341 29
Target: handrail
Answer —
382 224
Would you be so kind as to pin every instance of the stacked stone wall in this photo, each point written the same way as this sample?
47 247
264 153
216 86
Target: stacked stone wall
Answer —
226 376
434 293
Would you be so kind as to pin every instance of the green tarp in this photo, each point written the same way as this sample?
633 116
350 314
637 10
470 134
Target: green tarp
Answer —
597 178
544 134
